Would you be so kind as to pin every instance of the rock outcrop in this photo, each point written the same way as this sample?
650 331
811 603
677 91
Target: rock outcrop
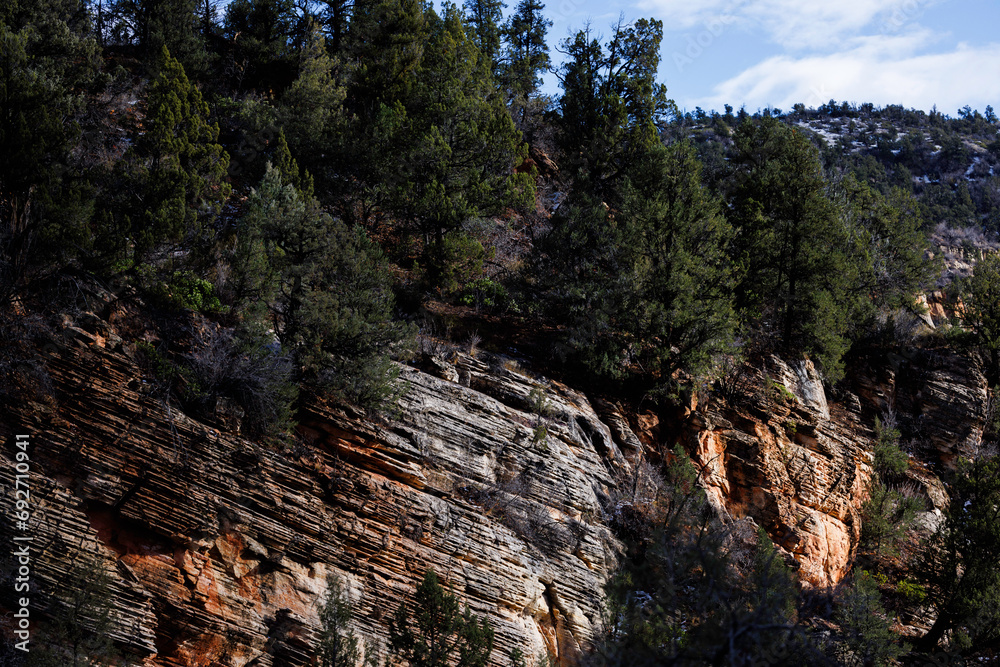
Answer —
778 453
220 549
940 398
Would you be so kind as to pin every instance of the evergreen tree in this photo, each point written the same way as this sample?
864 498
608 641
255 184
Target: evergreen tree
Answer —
888 513
81 619
681 302
427 137
981 297
331 302
338 645
866 634
610 104
437 629
46 58
181 168
462 147
312 107
887 247
484 29
636 256
260 31
960 565
649 285
693 593
386 40
60 42
383 47
335 16
527 55
152 25
797 280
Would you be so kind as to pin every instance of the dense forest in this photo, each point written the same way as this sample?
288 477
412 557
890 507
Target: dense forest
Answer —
285 189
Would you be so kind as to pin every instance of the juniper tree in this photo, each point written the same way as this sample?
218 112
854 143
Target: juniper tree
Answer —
261 31
338 645
152 25
866 636
47 57
484 18
437 633
330 302
459 159
636 260
797 281
81 619
981 296
611 103
311 109
178 167
960 563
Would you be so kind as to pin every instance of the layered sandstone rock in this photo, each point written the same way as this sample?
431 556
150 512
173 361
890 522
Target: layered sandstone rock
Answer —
778 453
220 549
940 397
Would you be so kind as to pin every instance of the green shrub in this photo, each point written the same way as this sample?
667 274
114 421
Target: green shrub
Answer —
486 294
866 636
911 591
183 290
779 392
889 458
455 262
172 377
437 630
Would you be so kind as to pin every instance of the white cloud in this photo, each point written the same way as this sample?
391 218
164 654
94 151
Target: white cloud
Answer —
882 70
793 24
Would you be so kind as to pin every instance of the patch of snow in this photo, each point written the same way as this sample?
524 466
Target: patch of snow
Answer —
827 136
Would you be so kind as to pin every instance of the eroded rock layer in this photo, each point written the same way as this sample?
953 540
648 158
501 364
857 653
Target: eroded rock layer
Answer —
220 549
777 452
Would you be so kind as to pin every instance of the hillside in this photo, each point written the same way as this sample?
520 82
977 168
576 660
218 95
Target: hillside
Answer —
326 339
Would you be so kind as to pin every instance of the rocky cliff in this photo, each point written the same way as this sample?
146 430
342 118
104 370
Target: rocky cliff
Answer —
220 549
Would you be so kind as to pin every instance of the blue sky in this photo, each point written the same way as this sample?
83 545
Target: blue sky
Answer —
759 53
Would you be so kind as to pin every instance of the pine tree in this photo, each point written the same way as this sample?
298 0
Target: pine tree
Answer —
46 58
887 248
682 298
463 146
981 296
484 29
81 619
637 253
382 51
610 104
437 629
331 304
312 107
865 630
960 565
648 285
527 55
335 16
797 279
385 43
261 31
153 25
